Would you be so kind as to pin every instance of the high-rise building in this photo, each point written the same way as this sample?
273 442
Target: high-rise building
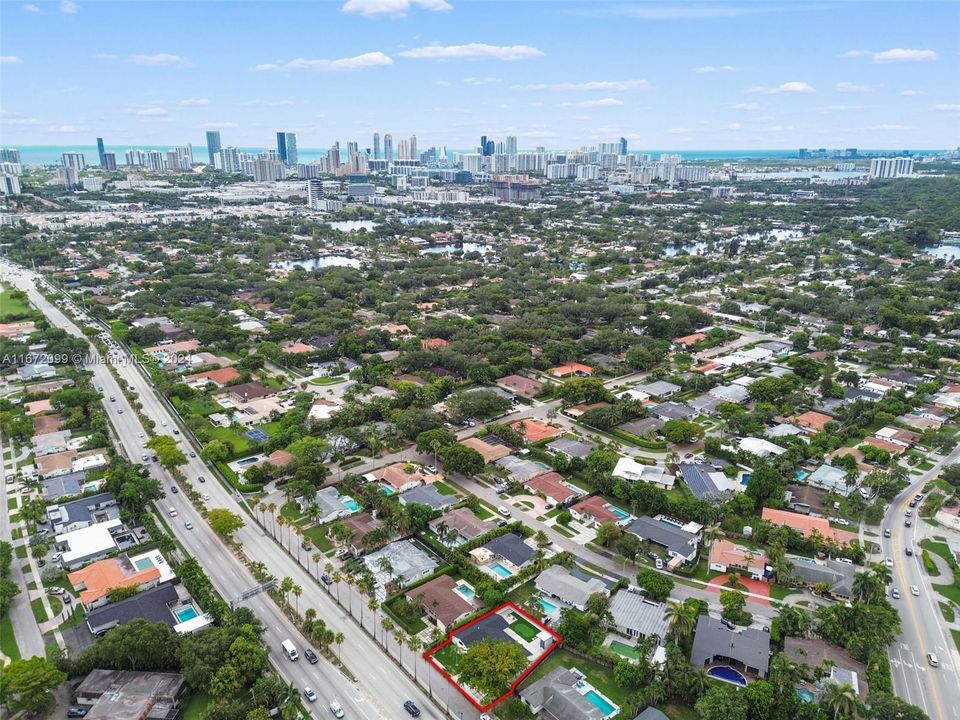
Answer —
186 156
100 152
413 148
623 146
388 147
511 145
213 143
483 144
136 158
516 188
68 176
891 167
9 185
376 146
173 160
472 162
403 149
353 148
227 160
282 145
74 160
265 169
9 155
156 161
109 161
314 193
308 171
287 147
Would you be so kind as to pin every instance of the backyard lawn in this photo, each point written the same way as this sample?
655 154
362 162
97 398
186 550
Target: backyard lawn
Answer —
597 675
318 536
524 628
449 657
628 651
444 489
196 706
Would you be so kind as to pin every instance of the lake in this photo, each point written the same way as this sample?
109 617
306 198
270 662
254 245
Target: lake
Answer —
353 225
317 262
449 248
944 252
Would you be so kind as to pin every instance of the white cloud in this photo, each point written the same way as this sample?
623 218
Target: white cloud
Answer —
745 106
911 93
473 51
838 108
889 126
849 87
601 103
357 62
69 7
215 126
194 102
30 7
856 53
591 85
947 107
788 88
9 117
679 131
10 60
162 59
898 55
67 129
481 80
392 8
714 69
148 111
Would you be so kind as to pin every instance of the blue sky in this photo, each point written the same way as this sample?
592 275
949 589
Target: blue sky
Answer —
719 75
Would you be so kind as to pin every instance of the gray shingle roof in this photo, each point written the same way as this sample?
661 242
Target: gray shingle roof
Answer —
675 540
151 605
557 582
556 693
512 548
749 646
634 613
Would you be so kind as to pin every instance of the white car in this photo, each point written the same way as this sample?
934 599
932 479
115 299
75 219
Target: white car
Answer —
336 709
309 694
914 590
888 562
206 496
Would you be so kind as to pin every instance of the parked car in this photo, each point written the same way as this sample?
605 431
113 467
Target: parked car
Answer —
915 591
326 579
311 656
67 598
411 708
895 594
889 561
77 712
730 625
886 532
432 469
56 591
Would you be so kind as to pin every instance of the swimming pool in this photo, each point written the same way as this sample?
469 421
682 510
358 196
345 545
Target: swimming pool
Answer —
248 461
806 695
745 479
727 674
619 513
187 612
801 475
387 490
465 590
600 702
548 607
350 504
500 570
143 563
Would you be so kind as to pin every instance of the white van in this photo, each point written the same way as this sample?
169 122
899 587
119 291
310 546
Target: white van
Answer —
173 512
289 650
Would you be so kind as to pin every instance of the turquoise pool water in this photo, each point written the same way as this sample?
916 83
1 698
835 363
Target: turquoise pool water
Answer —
727 674
745 479
806 695
350 504
619 513
599 702
465 590
143 563
548 607
248 461
500 570
800 474
188 612
387 489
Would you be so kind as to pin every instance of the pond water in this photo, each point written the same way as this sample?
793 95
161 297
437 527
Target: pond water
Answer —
944 252
317 262
423 220
449 248
353 225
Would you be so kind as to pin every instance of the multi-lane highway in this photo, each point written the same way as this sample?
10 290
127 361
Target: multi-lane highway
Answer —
935 689
381 688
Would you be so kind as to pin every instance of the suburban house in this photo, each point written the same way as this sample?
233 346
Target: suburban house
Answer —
82 512
96 580
552 486
491 627
811 421
79 547
534 431
128 694
837 576
658 389
400 563
629 469
458 526
746 648
595 510
807 525
558 583
572 369
635 616
556 696
679 540
441 601
570 448
489 451
511 549
402 476
360 526
725 556
519 385
831 479
219 377
428 495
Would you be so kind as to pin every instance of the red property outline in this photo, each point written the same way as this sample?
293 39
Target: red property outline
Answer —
428 655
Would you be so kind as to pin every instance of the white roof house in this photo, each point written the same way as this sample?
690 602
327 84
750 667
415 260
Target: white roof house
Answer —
760 447
88 543
629 469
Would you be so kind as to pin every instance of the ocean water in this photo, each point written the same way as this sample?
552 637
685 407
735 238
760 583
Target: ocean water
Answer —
50 154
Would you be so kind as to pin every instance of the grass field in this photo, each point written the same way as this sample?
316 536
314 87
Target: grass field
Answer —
524 628
597 675
444 489
39 612
449 657
196 706
11 306
8 643
947 611
678 712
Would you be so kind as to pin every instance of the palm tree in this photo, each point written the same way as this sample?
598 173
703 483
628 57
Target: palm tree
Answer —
733 582
387 626
882 573
655 694
295 532
286 585
373 605
540 537
282 522
297 592
866 587
262 507
317 557
415 645
272 509
309 615
337 577
839 699
349 579
363 587
338 639
682 618
401 638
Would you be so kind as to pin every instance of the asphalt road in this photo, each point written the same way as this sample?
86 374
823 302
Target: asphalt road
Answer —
936 690
382 687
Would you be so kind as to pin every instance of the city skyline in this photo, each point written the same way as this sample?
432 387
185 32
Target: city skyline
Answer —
663 75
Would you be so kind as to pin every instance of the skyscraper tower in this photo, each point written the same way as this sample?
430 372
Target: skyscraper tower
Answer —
282 145
376 146
511 144
623 146
483 144
388 147
100 152
413 147
352 148
213 143
290 147
403 149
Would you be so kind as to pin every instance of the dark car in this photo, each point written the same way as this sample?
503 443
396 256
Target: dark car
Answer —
652 556
907 523
501 523
173 489
326 579
728 624
411 708
913 503
886 532
311 656
909 551
77 712
201 478
67 598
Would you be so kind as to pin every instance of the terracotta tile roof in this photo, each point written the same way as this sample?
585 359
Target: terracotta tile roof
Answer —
812 420
520 385
433 343
570 368
692 339
220 376
489 452
594 506
806 525
440 600
890 447
535 431
552 486
102 576
299 348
